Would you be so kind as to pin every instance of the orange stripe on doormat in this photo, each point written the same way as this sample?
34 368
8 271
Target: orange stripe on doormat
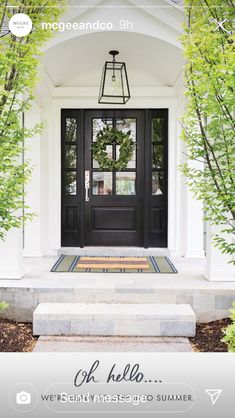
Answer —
112 266
107 259
112 262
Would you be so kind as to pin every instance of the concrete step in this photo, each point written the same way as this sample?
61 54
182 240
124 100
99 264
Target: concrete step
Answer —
114 319
111 344
114 251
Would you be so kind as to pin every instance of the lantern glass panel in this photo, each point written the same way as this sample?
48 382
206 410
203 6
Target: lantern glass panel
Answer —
114 87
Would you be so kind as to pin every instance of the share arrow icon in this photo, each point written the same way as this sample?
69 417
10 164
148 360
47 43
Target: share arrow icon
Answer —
214 394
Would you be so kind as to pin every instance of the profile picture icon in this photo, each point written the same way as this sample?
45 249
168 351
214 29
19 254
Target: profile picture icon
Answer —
23 398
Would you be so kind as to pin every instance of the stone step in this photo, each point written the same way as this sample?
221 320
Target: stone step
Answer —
105 319
114 251
92 344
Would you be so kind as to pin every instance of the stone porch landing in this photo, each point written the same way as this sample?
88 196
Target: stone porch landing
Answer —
209 300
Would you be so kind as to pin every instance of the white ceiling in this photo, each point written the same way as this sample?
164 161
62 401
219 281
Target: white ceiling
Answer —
78 61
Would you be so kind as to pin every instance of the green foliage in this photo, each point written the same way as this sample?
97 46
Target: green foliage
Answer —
19 62
3 305
229 337
108 136
208 123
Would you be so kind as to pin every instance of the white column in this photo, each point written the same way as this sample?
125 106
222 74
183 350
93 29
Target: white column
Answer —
11 259
180 203
51 179
194 222
32 229
217 266
189 228
194 227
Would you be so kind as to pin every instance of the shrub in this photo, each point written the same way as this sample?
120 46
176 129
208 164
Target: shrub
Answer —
3 305
229 337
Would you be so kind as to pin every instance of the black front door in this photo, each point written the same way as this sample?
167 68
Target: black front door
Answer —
121 207
114 201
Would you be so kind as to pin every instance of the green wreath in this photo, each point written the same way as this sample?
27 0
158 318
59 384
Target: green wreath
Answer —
108 136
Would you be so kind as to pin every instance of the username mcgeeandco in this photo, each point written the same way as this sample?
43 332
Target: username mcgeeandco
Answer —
97 25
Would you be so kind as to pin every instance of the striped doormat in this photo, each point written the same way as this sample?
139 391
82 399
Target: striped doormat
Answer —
76 264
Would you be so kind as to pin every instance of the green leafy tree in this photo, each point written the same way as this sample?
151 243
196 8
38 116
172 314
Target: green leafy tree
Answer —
19 62
208 123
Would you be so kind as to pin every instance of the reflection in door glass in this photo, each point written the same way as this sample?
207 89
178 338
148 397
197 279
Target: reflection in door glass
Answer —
125 183
157 183
157 130
70 156
99 125
157 156
71 130
71 183
109 151
132 161
127 124
102 183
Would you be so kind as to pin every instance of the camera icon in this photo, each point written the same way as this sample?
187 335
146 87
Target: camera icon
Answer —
23 398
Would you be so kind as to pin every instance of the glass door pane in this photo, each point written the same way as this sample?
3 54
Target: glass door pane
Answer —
158 168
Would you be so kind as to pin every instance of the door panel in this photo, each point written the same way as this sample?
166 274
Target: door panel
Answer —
114 212
114 218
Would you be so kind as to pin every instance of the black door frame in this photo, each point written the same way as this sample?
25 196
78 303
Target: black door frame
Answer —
73 232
